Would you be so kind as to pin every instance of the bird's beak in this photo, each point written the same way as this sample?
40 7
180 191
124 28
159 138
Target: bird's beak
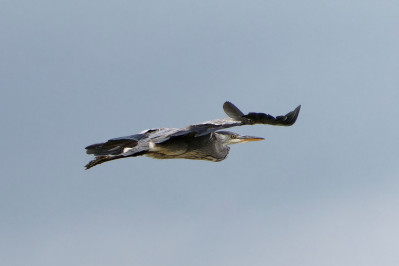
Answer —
249 138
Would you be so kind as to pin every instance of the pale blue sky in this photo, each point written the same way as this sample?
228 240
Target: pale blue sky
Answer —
323 192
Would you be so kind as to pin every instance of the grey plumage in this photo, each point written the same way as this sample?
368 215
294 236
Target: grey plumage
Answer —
203 141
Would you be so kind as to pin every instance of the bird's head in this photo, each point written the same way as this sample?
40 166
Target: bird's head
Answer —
229 138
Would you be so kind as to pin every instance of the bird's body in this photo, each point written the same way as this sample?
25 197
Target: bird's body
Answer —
207 147
201 141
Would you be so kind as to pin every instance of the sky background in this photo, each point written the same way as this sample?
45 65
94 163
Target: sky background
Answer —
322 192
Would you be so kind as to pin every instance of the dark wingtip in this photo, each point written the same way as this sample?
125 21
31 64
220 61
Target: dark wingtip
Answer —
296 110
282 120
292 116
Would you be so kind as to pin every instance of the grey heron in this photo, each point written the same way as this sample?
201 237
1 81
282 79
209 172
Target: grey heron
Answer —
203 141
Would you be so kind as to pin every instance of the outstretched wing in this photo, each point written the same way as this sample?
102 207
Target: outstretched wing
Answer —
237 118
128 146
140 142
132 144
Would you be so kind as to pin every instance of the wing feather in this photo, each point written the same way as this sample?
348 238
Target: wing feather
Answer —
237 118
266 119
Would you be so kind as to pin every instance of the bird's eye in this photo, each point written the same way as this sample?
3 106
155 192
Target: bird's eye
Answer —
233 136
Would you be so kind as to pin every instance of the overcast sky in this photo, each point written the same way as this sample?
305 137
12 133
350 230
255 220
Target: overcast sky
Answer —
322 192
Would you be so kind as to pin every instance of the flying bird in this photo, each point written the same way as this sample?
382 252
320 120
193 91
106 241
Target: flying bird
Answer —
203 141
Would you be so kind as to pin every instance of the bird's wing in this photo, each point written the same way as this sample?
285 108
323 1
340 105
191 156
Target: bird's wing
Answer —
128 146
140 142
114 146
132 144
236 118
